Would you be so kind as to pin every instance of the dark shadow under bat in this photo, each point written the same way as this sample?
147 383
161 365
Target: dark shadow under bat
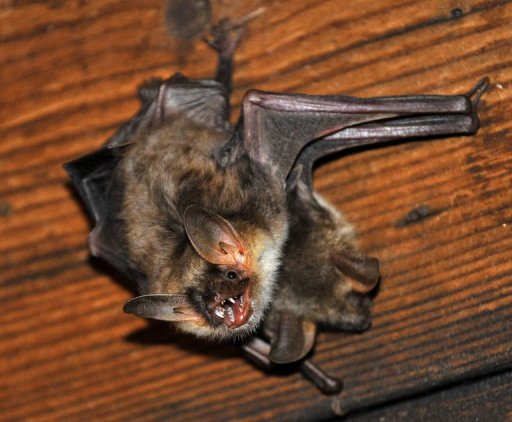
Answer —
218 224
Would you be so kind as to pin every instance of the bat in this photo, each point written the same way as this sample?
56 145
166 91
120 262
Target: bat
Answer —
322 246
212 222
324 277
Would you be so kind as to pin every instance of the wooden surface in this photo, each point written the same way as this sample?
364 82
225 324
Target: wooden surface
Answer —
443 313
485 399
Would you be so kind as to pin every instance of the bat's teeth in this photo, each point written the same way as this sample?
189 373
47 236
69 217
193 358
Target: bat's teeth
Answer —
231 300
231 314
219 312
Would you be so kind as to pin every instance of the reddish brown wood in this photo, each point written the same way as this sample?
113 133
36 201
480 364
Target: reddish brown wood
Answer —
443 314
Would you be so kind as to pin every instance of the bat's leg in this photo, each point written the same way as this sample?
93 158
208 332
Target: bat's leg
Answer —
257 350
225 39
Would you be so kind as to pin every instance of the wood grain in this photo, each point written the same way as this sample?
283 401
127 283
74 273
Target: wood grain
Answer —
443 314
483 399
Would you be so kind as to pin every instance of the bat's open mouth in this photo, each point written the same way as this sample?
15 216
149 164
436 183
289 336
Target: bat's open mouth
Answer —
233 311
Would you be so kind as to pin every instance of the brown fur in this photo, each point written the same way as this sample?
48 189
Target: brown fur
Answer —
311 287
172 167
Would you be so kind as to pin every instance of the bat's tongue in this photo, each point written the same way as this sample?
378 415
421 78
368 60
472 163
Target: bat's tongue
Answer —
234 311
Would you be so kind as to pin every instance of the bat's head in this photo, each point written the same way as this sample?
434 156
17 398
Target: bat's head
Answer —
324 278
227 284
223 293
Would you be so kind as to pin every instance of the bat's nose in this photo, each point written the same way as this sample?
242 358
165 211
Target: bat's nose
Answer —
234 311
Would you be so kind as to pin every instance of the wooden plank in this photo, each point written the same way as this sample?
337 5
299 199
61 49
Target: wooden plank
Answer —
485 399
68 74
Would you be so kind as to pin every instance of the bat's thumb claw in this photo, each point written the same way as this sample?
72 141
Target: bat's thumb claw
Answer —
476 92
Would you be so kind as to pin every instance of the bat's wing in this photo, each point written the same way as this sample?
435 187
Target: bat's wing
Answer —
442 123
380 132
202 101
92 177
276 128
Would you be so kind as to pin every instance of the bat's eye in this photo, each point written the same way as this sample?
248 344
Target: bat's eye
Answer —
231 275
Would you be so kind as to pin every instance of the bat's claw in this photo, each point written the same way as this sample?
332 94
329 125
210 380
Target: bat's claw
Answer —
225 35
476 92
225 38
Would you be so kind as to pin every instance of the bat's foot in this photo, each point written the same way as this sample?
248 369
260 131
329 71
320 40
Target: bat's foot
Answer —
225 37
226 34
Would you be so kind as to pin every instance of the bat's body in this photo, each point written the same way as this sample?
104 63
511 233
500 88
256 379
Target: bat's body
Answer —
321 297
166 171
311 288
219 225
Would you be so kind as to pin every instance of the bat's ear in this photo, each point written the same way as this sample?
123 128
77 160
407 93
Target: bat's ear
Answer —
214 238
164 307
363 271
294 339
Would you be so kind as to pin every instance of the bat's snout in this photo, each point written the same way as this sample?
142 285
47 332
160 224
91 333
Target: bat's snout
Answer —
233 311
